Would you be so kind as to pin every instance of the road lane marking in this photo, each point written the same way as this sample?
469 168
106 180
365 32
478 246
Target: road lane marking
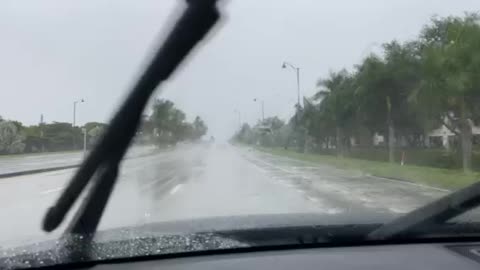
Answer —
154 182
273 166
176 189
48 191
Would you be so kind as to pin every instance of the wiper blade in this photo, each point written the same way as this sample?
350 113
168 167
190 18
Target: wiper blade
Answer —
103 162
431 214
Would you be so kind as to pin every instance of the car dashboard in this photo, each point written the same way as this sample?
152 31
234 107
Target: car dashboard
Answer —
407 256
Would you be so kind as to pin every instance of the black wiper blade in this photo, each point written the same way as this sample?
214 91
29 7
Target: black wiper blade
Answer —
431 214
103 162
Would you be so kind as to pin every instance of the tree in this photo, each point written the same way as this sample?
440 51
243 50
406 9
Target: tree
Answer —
60 136
147 125
336 105
274 123
450 83
317 122
199 128
91 125
245 135
383 88
169 124
95 133
11 141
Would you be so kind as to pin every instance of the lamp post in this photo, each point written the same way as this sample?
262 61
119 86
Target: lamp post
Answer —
263 108
297 70
239 119
75 110
84 130
74 119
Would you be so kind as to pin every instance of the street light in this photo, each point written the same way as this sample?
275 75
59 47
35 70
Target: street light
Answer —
75 109
84 130
287 64
73 123
263 111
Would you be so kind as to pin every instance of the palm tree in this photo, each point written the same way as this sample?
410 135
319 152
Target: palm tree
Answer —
336 103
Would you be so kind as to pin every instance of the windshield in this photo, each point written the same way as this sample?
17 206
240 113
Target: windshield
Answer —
355 112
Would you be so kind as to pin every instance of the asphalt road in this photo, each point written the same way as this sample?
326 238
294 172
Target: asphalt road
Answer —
195 181
17 163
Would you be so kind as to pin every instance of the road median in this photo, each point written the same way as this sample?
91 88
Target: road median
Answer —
35 171
64 167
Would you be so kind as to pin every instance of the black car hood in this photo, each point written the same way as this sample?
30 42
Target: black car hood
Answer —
186 236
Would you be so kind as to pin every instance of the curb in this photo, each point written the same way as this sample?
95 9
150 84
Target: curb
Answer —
13 174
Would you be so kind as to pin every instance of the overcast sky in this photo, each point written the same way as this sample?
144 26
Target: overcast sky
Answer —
54 52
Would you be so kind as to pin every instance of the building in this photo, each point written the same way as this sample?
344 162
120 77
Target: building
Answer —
445 137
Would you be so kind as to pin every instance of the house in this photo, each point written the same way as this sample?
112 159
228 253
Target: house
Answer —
440 137
445 137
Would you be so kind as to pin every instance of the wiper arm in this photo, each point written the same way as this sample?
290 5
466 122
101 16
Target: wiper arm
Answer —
103 162
436 212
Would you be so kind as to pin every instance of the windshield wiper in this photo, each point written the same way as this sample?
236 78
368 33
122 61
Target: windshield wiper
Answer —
104 160
431 214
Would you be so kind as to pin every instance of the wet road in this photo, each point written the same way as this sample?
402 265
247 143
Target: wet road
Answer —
195 181
17 163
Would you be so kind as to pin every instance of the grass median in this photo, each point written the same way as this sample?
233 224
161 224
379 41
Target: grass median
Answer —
442 178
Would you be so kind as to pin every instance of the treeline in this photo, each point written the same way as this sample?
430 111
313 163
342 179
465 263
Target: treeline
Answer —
16 138
166 125
401 95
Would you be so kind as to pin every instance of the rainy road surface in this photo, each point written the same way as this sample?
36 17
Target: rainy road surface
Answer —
18 163
195 181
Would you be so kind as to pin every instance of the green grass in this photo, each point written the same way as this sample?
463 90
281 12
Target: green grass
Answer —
443 178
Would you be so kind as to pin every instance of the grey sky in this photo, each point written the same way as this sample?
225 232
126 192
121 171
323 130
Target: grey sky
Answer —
53 52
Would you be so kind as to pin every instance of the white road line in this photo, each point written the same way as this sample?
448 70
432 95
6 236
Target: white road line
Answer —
275 167
51 190
176 189
151 183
